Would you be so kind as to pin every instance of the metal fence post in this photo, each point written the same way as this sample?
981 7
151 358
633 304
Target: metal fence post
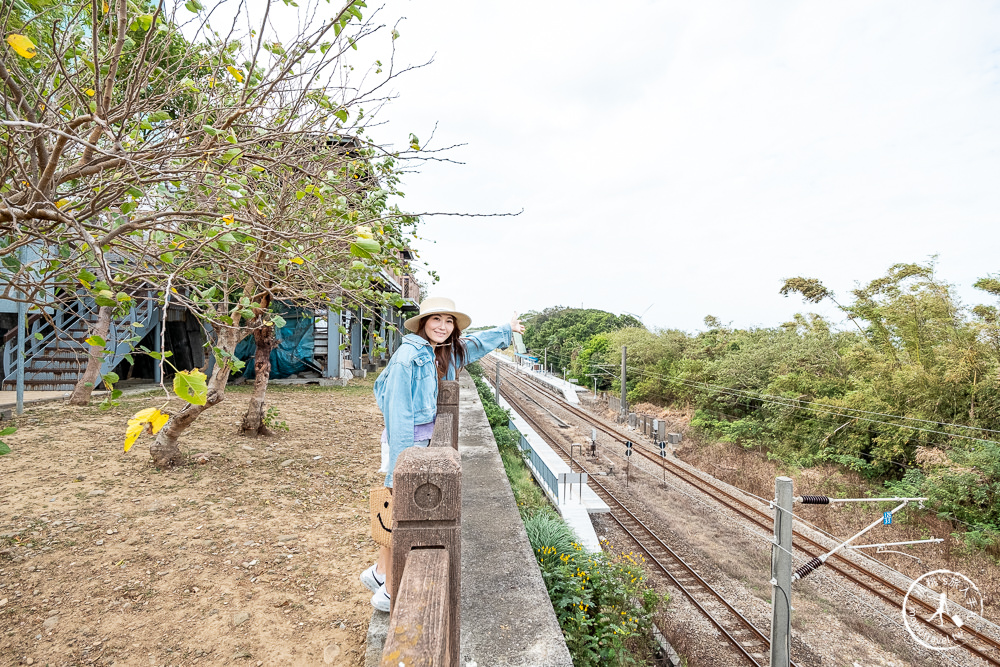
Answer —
781 574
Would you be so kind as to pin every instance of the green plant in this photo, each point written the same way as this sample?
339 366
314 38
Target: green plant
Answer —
4 448
601 600
271 420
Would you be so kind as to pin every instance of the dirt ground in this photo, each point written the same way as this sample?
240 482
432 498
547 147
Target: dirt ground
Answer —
250 558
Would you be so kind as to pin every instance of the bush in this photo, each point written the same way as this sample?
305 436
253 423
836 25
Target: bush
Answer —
603 605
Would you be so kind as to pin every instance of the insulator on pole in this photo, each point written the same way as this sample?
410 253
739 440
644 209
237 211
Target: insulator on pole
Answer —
807 568
813 500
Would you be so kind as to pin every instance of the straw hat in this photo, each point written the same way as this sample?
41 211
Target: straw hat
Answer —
434 305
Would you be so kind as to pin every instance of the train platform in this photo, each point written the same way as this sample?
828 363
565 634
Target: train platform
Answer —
569 390
574 507
506 615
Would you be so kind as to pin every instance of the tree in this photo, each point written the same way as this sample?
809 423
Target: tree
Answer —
203 168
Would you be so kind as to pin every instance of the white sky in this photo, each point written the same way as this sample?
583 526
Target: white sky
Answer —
692 155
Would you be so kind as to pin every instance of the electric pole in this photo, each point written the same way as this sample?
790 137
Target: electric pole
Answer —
624 399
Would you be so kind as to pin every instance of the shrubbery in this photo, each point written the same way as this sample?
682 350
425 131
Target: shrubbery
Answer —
911 371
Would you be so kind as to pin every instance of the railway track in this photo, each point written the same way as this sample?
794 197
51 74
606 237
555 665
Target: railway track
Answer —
977 643
745 639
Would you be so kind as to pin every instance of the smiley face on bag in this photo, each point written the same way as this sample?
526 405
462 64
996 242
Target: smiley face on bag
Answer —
380 504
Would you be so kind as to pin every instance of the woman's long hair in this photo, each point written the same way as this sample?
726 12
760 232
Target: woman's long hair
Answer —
452 352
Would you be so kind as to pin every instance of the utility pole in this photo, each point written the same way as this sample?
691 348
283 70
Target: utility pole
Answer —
624 399
781 573
497 383
545 359
564 373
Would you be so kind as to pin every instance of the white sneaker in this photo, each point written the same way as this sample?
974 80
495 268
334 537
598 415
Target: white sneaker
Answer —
371 579
381 599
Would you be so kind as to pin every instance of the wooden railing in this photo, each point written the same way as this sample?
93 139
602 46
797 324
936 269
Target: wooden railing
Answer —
426 570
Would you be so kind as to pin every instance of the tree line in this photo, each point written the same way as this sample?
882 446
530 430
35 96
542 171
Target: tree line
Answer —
907 392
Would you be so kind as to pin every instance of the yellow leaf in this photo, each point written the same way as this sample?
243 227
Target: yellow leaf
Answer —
228 219
137 423
158 421
104 6
133 432
297 260
23 46
91 92
144 415
238 75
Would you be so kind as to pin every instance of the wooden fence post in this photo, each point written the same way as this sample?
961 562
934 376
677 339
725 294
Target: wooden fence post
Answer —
446 423
427 514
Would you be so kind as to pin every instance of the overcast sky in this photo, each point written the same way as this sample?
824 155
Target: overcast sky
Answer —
686 157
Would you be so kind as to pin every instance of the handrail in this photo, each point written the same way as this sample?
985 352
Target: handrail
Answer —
537 463
425 574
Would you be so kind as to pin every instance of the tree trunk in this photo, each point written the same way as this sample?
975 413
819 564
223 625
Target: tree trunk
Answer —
164 450
85 385
253 420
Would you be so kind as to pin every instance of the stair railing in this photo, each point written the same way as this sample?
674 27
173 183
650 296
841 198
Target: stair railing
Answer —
39 336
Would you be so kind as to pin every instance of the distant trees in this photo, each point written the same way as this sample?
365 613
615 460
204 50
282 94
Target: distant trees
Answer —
561 332
914 374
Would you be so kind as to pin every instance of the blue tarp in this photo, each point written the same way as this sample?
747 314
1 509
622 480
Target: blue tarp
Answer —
295 347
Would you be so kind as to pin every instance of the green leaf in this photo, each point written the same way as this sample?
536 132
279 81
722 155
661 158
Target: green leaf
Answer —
158 116
110 378
10 430
365 248
192 386
341 114
193 6
211 130
95 340
86 275
38 336
278 320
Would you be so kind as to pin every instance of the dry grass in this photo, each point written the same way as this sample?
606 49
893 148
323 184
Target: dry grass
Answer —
753 472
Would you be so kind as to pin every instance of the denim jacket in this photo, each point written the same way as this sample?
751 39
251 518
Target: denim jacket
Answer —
406 391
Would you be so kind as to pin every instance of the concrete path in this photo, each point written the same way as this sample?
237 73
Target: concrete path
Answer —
507 618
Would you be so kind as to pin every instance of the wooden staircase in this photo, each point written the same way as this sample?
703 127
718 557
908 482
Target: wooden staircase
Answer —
55 351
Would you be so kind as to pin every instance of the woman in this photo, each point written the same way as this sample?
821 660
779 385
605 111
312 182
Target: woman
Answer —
406 391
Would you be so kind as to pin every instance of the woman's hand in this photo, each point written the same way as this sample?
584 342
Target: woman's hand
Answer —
515 325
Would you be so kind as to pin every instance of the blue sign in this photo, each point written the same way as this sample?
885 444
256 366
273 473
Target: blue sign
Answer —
886 518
